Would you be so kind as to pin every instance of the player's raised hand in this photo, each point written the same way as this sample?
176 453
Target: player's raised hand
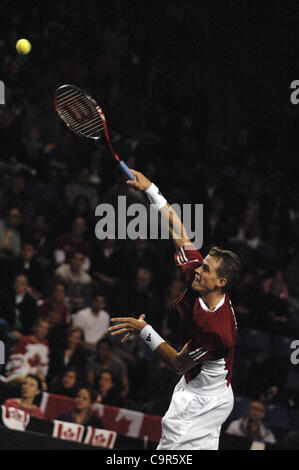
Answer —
127 325
140 182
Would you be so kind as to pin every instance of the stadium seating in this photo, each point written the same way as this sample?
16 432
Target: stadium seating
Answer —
281 346
240 409
254 340
278 420
294 419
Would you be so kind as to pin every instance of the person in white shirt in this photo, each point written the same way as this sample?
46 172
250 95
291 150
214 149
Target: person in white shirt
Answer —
94 320
252 426
79 282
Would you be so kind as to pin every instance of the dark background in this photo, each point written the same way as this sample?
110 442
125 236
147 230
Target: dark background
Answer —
197 95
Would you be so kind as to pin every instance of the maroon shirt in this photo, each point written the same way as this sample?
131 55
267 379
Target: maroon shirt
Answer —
212 332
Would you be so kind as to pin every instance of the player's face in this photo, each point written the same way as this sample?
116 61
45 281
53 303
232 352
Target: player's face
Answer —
206 278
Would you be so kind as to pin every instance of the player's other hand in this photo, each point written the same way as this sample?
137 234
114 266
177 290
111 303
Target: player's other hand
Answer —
140 182
127 325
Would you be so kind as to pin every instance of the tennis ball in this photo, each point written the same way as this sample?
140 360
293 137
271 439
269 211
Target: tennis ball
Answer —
23 46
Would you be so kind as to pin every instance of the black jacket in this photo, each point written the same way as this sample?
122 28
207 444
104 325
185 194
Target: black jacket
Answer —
26 311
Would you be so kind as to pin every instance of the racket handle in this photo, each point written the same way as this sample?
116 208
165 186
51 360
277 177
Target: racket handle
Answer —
126 170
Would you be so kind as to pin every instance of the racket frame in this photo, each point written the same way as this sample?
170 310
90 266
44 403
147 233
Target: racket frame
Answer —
95 139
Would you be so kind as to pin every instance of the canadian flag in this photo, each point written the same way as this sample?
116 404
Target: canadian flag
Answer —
13 418
68 431
100 437
126 422
120 420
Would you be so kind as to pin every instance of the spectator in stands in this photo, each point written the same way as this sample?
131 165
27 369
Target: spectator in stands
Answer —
139 254
73 241
273 309
105 359
93 320
284 292
68 383
10 240
15 196
19 308
80 209
68 353
245 297
39 233
27 264
80 186
261 223
31 354
82 413
248 239
158 391
56 309
137 296
109 392
31 388
271 395
175 289
79 283
252 426
135 356
105 264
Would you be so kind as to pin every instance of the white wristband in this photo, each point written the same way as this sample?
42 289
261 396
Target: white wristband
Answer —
157 200
151 337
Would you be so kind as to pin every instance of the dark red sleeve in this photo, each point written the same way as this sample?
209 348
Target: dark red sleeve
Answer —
188 258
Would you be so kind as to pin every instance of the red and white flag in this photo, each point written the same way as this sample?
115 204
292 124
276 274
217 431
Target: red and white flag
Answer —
126 422
68 431
14 418
100 437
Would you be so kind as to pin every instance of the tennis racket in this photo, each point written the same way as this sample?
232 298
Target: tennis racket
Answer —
83 115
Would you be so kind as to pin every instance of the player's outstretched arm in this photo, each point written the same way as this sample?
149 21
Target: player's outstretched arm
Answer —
177 230
179 362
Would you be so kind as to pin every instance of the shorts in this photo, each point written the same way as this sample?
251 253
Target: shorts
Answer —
193 421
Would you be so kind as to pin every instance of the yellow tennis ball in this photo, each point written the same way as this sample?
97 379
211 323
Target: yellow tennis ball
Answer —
23 46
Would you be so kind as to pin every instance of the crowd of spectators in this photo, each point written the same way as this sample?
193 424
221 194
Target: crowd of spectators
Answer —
59 283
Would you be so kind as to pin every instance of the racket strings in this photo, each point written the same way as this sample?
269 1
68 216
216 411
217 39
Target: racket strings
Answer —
80 113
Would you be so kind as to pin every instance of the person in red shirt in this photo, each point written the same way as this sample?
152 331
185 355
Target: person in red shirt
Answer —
30 355
203 398
31 388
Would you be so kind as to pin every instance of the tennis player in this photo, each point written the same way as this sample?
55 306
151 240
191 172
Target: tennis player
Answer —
203 398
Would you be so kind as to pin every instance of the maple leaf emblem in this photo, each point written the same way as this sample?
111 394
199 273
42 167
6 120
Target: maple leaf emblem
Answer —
69 434
16 414
99 439
34 361
123 425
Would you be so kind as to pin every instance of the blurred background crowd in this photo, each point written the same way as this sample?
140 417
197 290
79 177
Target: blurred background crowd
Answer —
199 102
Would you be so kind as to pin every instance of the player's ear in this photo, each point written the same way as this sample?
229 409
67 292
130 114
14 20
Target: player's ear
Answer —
221 282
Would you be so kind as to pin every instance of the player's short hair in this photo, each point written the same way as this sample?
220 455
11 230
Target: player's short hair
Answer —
230 266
